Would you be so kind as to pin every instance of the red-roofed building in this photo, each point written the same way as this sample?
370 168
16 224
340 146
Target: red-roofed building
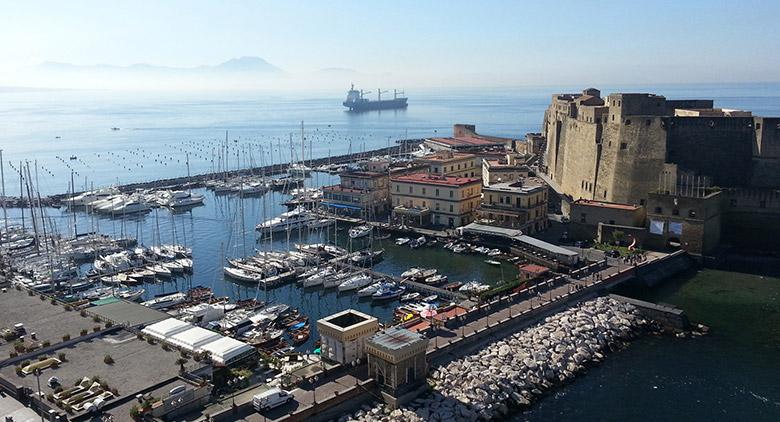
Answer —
425 199
361 193
465 138
531 271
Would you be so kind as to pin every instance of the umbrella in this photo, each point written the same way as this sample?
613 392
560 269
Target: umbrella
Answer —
428 312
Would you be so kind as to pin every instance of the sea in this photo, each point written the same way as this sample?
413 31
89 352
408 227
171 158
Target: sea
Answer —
733 373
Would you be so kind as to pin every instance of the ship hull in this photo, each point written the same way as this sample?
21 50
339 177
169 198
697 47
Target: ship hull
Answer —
397 103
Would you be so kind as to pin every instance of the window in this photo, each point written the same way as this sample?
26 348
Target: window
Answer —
659 210
437 192
628 122
451 208
623 145
452 194
437 206
648 122
397 188
758 126
642 202
410 189
613 117
423 191
583 218
605 194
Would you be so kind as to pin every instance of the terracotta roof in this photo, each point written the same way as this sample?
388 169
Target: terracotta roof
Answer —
436 180
466 141
603 204
533 269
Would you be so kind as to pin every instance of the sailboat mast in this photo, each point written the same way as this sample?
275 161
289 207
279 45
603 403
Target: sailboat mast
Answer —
21 192
2 182
73 193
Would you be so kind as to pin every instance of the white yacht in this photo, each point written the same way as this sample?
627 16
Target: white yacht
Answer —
162 302
369 290
356 282
290 220
181 199
319 278
360 231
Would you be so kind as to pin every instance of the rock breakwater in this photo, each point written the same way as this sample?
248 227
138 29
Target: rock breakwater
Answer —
513 371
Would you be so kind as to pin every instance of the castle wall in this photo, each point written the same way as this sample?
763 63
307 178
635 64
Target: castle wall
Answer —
720 147
580 159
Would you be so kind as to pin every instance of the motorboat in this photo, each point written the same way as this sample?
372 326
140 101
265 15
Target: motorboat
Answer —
182 199
419 242
174 266
356 282
474 287
387 292
459 248
320 223
165 301
436 279
186 263
492 262
402 241
360 231
298 170
411 273
408 297
369 290
131 207
430 299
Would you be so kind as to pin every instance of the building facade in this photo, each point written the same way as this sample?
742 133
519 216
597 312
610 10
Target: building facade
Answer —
397 360
520 205
426 199
362 193
454 164
506 170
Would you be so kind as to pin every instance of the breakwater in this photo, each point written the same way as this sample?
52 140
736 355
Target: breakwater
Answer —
517 369
403 147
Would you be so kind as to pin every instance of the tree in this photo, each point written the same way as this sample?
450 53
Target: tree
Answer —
181 362
108 360
618 236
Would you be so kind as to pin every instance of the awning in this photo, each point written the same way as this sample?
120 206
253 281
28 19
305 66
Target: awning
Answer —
412 211
484 229
345 206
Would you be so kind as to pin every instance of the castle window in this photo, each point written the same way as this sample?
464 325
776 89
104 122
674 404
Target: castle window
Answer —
613 117
758 126
605 194
642 202
619 103
659 210
628 122
623 145
605 119
410 189
397 188
647 122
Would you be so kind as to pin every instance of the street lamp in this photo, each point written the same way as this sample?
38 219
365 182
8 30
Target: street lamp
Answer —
314 388
40 399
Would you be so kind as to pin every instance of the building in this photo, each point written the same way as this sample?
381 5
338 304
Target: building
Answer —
508 169
397 361
528 272
624 147
455 164
359 192
687 220
343 335
466 139
587 218
425 199
520 205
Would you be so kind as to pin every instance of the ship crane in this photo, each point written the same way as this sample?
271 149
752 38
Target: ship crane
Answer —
379 93
396 92
362 93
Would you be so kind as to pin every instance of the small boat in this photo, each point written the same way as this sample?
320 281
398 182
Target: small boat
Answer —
174 266
360 231
430 299
419 242
319 223
165 301
186 263
160 271
300 336
411 273
459 248
455 285
73 157
474 287
366 258
408 297
436 279
494 252
242 275
492 262
402 241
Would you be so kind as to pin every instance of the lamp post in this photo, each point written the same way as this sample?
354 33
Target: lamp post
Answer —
314 388
40 399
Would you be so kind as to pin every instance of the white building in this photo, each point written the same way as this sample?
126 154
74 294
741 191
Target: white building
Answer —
224 350
343 335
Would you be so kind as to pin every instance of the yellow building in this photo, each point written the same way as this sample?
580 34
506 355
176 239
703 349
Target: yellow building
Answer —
343 335
426 199
519 205
456 164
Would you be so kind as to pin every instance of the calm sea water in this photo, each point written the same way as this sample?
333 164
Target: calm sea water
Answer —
730 375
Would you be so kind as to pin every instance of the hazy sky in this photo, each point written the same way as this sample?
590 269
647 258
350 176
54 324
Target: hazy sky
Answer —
470 43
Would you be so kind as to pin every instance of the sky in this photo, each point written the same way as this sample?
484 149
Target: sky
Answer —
414 43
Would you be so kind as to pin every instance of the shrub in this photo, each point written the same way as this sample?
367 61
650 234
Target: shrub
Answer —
96 318
54 302
134 412
18 287
108 360
58 389
139 336
68 308
19 371
61 356
150 341
166 347
42 297
84 332
42 358
114 391
19 346
83 313
66 337
25 362
50 397
12 354
30 293
96 328
109 324
184 353
46 343
55 365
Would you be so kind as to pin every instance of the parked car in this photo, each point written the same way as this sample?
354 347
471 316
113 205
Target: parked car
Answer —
272 398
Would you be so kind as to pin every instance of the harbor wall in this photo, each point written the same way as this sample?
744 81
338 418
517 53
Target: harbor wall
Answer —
666 315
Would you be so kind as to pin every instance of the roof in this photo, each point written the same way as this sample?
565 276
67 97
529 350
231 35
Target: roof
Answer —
363 174
346 319
225 349
447 157
526 185
166 328
604 204
396 338
466 141
130 313
485 229
430 179
549 247
533 268
193 338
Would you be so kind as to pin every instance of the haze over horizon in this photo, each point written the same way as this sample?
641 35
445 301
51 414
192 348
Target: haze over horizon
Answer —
259 45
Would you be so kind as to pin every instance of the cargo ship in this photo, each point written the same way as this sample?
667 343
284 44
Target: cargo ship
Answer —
356 100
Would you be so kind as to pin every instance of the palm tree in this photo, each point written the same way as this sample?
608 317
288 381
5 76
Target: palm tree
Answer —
181 362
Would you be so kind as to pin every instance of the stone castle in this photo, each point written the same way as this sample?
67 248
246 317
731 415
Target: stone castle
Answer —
632 147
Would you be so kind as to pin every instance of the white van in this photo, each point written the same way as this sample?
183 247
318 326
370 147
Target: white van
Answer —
270 399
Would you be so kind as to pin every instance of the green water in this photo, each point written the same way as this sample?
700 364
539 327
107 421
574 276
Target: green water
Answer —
731 374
